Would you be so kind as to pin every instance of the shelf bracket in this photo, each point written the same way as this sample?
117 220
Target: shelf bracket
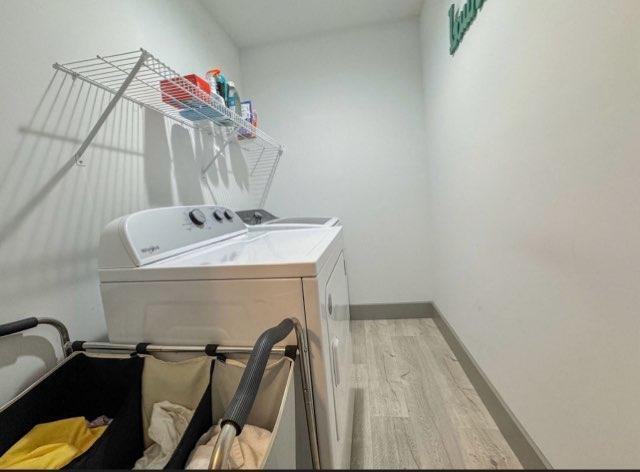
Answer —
257 161
109 108
219 152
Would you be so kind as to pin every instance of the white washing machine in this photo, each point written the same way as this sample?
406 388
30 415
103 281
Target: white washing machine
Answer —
197 275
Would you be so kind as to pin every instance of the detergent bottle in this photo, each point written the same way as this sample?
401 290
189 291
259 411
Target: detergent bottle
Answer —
219 90
218 83
234 103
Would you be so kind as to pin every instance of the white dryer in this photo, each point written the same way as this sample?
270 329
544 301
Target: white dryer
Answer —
185 275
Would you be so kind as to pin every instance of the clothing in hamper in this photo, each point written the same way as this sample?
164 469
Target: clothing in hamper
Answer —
51 445
168 424
102 420
83 386
247 452
182 383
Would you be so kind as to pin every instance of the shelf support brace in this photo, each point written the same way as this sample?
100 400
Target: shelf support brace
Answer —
218 153
109 108
267 187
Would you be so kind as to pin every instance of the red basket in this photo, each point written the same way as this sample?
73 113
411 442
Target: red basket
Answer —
188 91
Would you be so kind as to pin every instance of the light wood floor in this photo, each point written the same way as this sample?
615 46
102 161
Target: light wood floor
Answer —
414 405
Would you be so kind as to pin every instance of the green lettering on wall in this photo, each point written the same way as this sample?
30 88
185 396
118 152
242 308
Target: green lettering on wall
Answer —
460 21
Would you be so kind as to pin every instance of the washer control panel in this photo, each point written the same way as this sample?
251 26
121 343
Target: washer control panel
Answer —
152 235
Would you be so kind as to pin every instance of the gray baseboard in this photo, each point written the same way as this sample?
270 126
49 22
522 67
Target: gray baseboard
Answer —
520 442
392 311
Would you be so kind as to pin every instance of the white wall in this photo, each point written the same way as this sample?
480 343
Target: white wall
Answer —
533 144
53 211
348 107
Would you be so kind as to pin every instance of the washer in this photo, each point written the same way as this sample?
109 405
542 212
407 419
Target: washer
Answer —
197 275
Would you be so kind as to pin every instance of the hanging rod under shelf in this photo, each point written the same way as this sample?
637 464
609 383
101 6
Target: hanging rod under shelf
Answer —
137 75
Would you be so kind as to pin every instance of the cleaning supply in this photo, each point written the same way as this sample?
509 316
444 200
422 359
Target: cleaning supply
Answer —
233 101
52 445
221 85
211 78
247 109
248 114
218 114
215 111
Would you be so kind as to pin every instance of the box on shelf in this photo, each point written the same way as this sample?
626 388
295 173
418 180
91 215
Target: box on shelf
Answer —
248 115
188 91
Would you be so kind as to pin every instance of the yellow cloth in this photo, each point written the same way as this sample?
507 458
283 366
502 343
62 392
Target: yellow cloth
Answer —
51 445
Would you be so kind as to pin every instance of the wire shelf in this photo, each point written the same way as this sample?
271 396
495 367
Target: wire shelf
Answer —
141 78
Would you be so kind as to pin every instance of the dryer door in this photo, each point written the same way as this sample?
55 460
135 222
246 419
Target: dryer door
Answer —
340 350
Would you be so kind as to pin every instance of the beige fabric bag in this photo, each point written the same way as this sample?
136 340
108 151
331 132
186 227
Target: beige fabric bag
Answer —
182 383
226 377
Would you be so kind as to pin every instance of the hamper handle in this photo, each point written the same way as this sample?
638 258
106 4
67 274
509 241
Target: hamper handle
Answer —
14 327
238 410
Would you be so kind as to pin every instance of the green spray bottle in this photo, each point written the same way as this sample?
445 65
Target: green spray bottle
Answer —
222 86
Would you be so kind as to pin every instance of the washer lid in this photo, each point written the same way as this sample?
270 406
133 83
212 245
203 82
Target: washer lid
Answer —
268 254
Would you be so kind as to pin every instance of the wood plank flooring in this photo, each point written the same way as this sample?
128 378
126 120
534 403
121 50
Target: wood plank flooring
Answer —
414 405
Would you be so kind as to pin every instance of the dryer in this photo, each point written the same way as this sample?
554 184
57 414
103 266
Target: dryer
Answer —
195 275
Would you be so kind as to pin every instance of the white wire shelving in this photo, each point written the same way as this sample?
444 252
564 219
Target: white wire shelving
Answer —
141 78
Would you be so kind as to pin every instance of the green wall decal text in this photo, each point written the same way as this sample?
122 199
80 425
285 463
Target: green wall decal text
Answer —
460 21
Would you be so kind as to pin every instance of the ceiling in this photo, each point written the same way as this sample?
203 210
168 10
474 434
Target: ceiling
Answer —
255 22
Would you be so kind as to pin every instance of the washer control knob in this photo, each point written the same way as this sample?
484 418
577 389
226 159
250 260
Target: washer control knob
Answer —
217 215
228 215
197 217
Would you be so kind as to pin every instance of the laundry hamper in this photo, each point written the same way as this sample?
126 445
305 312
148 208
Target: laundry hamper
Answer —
110 379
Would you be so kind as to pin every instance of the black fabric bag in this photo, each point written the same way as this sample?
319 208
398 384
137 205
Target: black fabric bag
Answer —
90 387
82 386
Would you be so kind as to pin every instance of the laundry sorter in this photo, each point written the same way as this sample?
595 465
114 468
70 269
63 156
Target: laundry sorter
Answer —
119 381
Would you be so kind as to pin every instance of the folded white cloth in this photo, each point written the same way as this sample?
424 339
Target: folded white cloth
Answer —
168 423
247 452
